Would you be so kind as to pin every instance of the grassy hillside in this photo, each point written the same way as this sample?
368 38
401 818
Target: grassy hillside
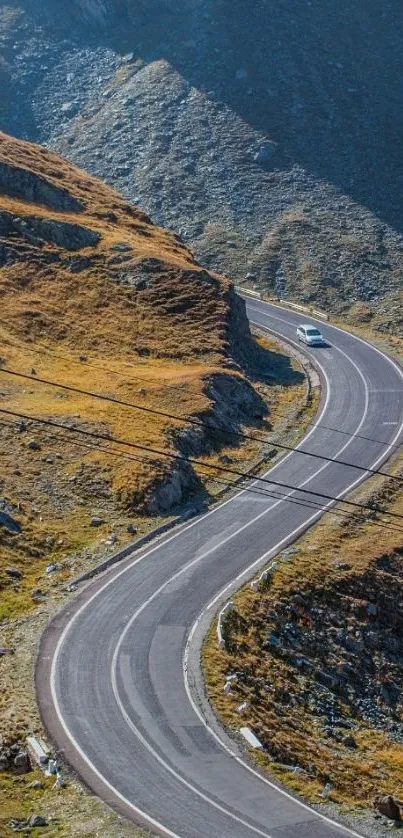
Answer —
97 298
97 301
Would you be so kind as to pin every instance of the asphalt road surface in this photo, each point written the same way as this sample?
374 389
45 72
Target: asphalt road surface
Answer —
111 681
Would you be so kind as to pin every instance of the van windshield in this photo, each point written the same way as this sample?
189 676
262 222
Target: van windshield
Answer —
313 332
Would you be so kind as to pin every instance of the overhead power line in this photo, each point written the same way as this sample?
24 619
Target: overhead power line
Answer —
197 422
233 484
150 380
195 462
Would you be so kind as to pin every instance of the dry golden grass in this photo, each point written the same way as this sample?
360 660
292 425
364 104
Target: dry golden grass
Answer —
158 348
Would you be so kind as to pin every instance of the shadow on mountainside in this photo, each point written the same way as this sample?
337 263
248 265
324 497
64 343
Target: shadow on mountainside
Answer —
321 82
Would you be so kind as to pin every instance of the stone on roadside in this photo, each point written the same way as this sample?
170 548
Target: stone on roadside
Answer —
21 762
388 806
33 445
36 784
37 820
131 529
97 521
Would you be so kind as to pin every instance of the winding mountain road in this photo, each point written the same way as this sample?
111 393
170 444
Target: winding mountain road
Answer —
116 676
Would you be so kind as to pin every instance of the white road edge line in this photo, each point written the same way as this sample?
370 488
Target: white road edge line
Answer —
136 809
124 570
248 572
196 561
343 332
62 638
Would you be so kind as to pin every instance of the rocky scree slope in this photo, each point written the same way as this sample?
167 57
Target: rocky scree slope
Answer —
314 658
268 139
95 297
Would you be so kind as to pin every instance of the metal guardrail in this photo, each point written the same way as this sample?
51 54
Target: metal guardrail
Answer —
308 309
248 291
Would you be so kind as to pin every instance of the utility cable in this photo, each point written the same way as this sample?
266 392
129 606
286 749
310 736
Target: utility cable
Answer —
234 484
180 388
194 461
197 422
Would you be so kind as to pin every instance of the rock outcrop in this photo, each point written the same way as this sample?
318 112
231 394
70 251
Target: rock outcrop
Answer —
60 233
18 182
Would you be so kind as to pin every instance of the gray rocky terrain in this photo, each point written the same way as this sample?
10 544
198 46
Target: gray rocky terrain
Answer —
268 137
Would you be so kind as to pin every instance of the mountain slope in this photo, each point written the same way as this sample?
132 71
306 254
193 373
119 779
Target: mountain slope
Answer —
97 300
269 139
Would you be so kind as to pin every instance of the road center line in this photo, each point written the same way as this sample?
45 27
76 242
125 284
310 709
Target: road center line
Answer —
141 558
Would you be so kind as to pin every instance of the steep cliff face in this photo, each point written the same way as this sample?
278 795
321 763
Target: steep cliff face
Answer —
233 128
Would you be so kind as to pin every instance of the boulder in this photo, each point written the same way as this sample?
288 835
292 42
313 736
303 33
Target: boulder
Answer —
69 108
6 517
37 820
96 521
14 572
349 741
78 264
121 247
36 784
21 762
60 233
264 153
4 762
388 806
64 234
52 568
